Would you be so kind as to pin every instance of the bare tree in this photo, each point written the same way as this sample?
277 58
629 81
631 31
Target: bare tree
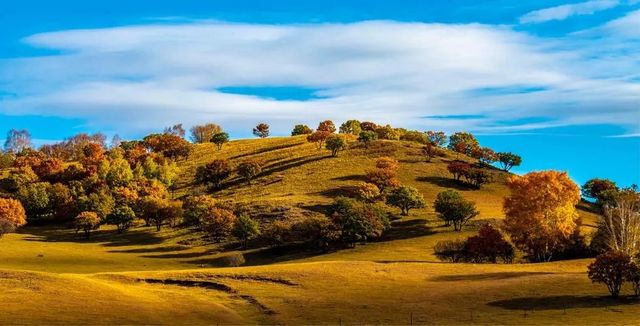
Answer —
620 224
17 141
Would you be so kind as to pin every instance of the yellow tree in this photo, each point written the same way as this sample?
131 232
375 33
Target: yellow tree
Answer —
12 215
540 212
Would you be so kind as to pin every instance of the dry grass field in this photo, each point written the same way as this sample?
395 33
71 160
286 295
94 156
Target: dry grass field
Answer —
51 276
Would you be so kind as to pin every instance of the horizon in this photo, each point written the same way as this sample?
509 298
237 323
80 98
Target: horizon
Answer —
553 81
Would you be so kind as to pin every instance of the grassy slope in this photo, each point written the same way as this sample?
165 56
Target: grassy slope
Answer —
362 285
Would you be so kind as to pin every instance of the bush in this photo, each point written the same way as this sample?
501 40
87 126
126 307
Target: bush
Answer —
249 170
488 246
450 250
357 223
87 221
612 268
316 231
214 173
234 260
218 223
366 137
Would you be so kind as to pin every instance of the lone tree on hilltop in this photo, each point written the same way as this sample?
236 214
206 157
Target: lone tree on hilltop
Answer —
220 139
203 133
261 130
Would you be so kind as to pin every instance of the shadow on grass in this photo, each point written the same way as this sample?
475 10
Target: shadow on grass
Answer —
562 302
406 229
446 182
108 238
263 256
265 150
151 250
353 177
486 276
345 191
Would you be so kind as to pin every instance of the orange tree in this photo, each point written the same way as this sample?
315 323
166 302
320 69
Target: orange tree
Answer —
12 215
540 212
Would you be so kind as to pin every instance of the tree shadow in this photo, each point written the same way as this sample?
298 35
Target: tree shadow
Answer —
107 238
263 256
562 302
151 250
406 229
446 182
352 177
346 191
486 276
265 150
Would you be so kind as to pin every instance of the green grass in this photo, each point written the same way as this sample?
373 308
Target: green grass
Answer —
53 276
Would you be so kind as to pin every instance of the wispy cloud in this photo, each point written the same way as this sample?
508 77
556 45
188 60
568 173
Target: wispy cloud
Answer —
563 12
143 77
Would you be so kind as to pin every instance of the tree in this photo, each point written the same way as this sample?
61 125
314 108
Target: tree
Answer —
387 132
301 130
261 130
245 229
387 163
405 198
508 160
176 129
430 151
159 210
485 155
122 217
35 199
196 208
458 169
249 170
415 136
540 212
597 188
48 168
318 137
368 192
619 226
119 173
476 177
168 173
437 138
220 139
357 223
87 221
214 173
368 126
327 126
17 141
488 245
366 137
612 268
100 202
336 143
12 215
383 178
463 142
203 133
218 223
170 146
317 231
351 127
453 209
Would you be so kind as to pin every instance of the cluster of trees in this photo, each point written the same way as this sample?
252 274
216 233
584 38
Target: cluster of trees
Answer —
215 173
486 247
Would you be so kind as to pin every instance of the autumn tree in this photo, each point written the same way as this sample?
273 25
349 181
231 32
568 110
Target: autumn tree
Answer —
122 217
261 130
452 208
245 229
220 139
485 155
301 130
168 145
458 169
508 160
598 189
367 192
196 208
405 198
612 268
203 133
351 127
415 136
463 142
17 141
430 151
218 223
366 137
87 222
540 212
159 211
476 177
327 126
12 215
176 129
384 176
357 223
318 137
387 132
488 246
619 227
336 143
437 138
248 170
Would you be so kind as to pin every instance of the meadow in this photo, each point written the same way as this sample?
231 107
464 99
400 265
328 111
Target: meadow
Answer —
50 275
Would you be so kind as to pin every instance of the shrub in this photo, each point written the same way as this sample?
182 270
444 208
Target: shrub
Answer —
220 139
234 260
214 173
301 130
405 198
387 163
366 137
453 209
488 246
87 221
122 217
248 170
612 268
245 229
450 250
383 178
367 192
336 143
218 223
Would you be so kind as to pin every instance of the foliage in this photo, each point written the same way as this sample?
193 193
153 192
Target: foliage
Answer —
277 233
351 127
12 215
508 160
450 250
218 223
160 211
87 221
327 126
261 130
168 145
368 126
204 133
612 268
101 202
357 223
597 189
415 136
488 246
119 173
176 129
196 208
453 209
245 229
368 192
620 223
319 232
366 137
122 217
35 199
336 143
214 173
387 132
17 141
485 155
383 178
437 138
476 177
463 142
318 137
430 151
301 130
540 212
248 170
220 139
458 169
405 198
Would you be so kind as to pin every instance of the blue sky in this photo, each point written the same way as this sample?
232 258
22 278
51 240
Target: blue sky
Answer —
556 81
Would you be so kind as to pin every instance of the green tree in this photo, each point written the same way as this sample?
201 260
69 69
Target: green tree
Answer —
437 138
405 198
122 217
366 137
597 189
301 130
119 173
87 221
508 160
357 223
453 209
220 139
245 229
336 143
463 142
351 127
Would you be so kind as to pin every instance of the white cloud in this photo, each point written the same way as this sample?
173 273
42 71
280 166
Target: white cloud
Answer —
563 12
141 78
